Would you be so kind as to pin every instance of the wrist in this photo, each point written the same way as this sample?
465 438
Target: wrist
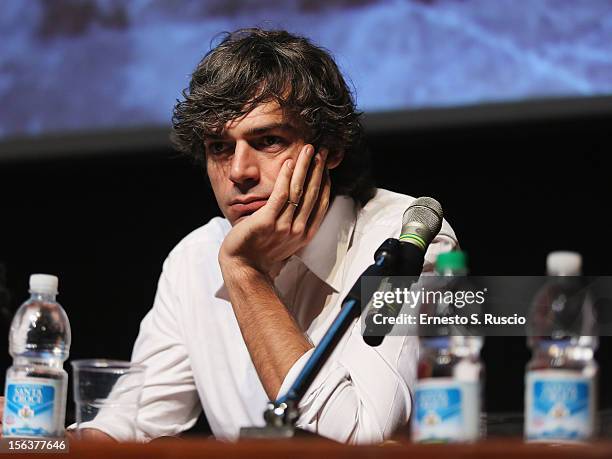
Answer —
242 266
236 271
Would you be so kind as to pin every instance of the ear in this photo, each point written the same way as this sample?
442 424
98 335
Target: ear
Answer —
334 159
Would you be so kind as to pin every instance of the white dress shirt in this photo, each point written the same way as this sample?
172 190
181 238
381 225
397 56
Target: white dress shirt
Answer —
196 357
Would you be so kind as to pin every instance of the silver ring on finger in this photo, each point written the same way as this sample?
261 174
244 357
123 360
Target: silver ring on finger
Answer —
289 201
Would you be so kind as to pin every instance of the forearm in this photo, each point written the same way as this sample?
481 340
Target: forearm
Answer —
274 340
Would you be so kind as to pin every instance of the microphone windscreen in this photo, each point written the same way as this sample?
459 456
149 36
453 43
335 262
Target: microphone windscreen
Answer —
423 217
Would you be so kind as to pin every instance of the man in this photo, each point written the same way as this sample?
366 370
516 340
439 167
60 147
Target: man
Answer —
242 301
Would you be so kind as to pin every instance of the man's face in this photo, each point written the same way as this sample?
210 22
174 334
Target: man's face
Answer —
243 163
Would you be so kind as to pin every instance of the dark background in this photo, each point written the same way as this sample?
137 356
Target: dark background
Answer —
513 191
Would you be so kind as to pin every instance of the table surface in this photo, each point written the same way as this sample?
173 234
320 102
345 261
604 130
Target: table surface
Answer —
319 448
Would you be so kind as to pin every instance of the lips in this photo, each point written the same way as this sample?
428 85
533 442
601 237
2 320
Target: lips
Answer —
242 209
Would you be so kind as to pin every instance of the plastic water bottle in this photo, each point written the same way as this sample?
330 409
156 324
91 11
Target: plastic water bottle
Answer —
454 264
561 377
447 399
36 384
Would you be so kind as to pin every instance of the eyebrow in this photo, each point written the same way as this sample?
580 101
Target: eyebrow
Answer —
282 126
271 127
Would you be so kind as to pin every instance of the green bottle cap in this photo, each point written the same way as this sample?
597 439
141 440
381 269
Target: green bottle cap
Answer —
455 260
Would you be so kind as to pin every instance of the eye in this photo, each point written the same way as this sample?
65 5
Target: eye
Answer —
270 143
270 140
216 148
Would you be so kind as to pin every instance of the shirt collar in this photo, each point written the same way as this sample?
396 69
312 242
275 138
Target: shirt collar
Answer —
325 253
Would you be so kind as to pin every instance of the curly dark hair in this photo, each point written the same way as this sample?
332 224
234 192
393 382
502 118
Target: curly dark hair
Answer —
253 66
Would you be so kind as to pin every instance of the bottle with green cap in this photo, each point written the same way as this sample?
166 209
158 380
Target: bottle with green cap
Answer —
447 398
452 263
36 383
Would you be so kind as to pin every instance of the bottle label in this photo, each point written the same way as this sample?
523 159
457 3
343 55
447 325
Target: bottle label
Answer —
446 410
560 405
30 407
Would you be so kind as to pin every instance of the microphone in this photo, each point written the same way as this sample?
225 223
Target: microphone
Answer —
421 222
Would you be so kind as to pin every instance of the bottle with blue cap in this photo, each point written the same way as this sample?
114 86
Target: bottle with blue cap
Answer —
36 383
561 377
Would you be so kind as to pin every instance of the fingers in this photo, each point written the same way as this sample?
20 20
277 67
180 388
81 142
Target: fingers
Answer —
321 206
299 176
280 192
311 194
308 185
296 187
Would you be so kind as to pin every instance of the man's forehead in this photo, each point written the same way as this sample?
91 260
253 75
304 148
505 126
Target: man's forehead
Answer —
266 115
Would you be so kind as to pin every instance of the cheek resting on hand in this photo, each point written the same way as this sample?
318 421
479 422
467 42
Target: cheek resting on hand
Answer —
279 229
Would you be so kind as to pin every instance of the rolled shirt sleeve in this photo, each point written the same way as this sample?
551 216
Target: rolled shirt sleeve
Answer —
362 395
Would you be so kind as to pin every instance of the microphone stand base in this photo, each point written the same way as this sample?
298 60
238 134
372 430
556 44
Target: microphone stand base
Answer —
280 417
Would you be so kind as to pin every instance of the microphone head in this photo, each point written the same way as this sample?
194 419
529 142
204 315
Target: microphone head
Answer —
422 221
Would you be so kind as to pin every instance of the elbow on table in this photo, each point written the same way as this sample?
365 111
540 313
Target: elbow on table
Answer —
358 425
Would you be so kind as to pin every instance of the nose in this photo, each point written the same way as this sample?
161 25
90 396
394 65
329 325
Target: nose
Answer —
244 169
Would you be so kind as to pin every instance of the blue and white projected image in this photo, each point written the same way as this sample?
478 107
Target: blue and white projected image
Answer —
73 65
